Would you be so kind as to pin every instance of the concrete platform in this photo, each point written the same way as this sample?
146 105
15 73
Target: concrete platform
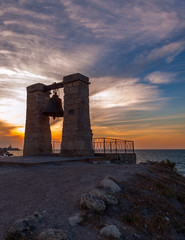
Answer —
40 160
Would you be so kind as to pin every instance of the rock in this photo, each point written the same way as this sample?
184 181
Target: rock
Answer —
52 234
110 231
76 219
108 198
92 203
167 219
23 228
100 162
136 236
5 153
35 218
109 184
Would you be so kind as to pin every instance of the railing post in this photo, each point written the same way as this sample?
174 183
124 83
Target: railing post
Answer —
116 146
133 146
125 146
104 145
110 147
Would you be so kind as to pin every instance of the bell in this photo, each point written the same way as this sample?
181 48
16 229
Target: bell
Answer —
54 107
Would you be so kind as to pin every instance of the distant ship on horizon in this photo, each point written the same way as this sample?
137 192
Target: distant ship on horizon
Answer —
10 148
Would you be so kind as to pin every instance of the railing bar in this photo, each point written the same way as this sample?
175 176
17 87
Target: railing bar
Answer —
106 145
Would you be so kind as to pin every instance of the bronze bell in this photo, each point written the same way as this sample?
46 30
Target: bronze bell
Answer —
54 107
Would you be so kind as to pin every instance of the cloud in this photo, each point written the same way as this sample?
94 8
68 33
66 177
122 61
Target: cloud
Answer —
63 37
168 51
41 47
145 21
16 11
153 132
13 83
123 105
5 128
125 93
9 136
160 77
33 49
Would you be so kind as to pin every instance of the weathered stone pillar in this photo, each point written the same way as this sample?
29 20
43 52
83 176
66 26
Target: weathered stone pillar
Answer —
37 139
77 134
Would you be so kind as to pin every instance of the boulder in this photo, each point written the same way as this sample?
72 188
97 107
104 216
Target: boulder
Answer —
110 231
76 219
108 183
35 218
23 228
52 234
92 203
108 198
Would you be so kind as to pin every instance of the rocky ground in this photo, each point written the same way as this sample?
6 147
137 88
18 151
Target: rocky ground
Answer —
149 202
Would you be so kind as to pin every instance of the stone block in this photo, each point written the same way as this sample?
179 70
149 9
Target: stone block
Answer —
35 87
75 77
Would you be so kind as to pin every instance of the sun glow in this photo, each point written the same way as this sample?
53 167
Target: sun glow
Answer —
18 132
128 93
56 129
13 112
145 137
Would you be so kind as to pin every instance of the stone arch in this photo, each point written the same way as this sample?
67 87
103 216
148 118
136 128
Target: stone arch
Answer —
76 135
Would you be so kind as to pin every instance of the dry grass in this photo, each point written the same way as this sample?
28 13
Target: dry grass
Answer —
151 205
158 203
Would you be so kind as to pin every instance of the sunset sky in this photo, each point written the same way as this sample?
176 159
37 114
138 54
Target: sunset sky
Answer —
133 52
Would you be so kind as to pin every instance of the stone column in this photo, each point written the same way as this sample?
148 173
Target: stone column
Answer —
37 139
77 134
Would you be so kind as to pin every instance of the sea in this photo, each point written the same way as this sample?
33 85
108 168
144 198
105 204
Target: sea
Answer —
177 156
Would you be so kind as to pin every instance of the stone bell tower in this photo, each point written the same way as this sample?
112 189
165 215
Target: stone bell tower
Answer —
77 134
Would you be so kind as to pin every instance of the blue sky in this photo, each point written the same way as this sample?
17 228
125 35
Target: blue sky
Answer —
132 51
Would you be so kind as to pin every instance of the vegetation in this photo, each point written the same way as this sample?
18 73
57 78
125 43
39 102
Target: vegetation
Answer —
158 202
152 205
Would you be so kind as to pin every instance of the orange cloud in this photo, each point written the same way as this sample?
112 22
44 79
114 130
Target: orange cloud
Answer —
10 135
149 138
161 141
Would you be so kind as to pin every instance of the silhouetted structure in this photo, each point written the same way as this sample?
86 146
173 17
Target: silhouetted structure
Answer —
77 134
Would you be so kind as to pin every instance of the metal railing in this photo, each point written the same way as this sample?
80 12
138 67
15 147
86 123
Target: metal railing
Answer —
56 146
110 145
104 145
